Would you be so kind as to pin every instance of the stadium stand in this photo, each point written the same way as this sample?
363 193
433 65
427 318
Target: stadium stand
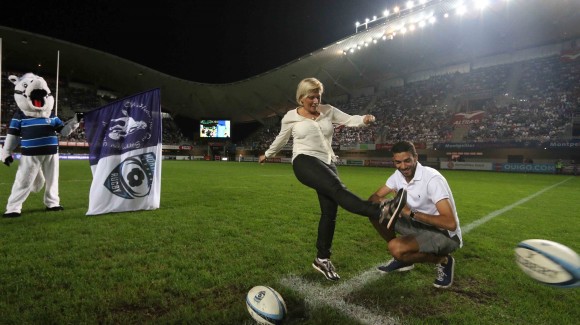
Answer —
534 100
545 100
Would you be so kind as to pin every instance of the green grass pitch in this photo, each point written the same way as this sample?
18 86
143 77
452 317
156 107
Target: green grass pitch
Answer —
224 227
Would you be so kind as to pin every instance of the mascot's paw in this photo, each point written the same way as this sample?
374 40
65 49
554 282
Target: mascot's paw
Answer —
11 215
56 208
8 160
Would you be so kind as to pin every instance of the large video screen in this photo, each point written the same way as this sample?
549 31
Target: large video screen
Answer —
215 129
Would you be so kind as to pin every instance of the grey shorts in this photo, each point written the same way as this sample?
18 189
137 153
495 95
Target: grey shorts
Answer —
431 239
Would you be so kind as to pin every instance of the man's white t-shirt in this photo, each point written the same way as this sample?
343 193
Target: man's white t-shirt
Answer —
426 188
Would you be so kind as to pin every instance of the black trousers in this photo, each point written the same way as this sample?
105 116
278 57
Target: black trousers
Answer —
332 193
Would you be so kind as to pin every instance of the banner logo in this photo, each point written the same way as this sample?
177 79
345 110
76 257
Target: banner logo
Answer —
120 130
133 177
124 126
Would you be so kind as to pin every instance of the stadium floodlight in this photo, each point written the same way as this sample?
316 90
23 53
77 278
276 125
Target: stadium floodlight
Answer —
357 24
411 15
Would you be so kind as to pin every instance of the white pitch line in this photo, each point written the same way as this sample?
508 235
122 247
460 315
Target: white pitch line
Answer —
315 295
496 213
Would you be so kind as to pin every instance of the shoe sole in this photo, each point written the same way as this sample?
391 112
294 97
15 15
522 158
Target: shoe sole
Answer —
324 273
402 269
398 209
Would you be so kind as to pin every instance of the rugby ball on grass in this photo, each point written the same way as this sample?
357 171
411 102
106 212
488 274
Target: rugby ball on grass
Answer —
549 262
266 305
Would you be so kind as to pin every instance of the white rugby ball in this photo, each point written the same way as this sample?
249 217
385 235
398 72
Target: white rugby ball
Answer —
549 262
266 305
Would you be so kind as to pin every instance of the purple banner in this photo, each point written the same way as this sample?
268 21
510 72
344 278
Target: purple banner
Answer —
124 125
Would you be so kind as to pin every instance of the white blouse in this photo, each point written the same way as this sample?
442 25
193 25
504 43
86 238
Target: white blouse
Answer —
312 137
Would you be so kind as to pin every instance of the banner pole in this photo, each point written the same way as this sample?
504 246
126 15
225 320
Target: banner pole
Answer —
1 86
57 70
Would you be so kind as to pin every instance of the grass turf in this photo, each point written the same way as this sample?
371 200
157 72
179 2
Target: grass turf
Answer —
224 227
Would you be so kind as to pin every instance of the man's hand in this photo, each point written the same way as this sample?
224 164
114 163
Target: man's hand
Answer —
375 198
8 160
406 212
262 159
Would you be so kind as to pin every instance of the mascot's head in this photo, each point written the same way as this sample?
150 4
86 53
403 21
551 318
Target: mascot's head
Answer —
32 95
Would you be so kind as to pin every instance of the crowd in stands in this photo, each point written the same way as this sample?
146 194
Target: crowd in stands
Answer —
171 132
524 121
73 99
529 100
547 93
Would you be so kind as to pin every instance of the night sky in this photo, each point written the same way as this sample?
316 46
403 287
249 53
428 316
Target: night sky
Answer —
205 41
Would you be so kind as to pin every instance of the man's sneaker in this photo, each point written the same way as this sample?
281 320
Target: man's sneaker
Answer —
325 267
390 210
396 266
445 273
56 208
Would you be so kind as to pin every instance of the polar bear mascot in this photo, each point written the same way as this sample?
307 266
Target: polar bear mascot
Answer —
35 129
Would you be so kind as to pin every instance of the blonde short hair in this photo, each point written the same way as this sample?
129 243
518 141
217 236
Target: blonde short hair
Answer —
308 86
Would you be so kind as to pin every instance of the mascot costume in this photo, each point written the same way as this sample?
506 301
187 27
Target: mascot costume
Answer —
35 128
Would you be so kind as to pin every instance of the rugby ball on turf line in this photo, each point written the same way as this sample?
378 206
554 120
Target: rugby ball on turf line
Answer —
549 262
266 305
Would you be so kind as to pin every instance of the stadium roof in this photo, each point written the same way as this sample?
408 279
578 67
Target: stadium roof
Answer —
402 48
